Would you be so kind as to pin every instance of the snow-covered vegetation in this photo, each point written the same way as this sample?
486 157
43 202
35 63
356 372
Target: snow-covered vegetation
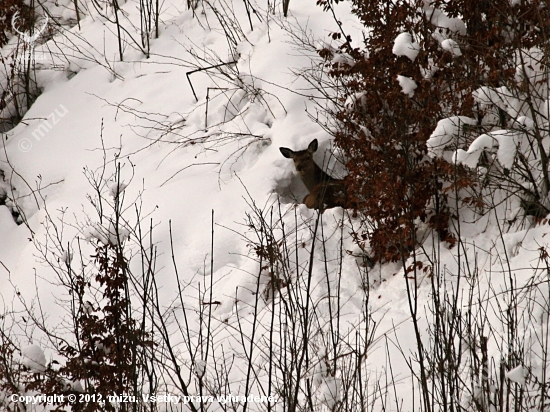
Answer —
155 253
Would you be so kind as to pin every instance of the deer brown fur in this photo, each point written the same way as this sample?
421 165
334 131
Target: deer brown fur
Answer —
325 192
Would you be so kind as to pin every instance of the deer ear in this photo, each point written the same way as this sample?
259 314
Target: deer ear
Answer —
286 152
313 146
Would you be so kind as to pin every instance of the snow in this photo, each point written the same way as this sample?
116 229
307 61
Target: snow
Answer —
33 358
470 157
446 134
485 96
356 100
405 46
88 308
502 142
452 47
517 375
66 257
332 391
408 85
200 368
429 71
483 142
440 19
446 27
342 59
531 67
77 386
178 164
508 142
525 122
500 97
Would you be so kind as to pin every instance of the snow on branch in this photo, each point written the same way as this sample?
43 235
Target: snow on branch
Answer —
446 134
503 143
405 46
408 85
452 47
500 97
33 358
445 27
440 19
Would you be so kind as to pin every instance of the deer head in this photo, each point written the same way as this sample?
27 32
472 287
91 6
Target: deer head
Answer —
303 160
324 191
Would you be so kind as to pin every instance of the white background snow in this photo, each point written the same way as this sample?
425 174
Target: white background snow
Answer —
179 165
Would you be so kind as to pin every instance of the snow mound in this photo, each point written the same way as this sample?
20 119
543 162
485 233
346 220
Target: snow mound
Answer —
408 85
525 123
404 46
502 142
440 19
452 47
517 375
33 358
500 97
447 133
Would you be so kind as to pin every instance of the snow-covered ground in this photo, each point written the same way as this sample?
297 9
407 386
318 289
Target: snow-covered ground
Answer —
147 117
181 159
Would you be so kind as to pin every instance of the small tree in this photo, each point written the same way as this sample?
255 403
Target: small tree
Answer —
446 105
421 63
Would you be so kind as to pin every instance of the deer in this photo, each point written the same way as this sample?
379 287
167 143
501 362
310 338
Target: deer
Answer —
325 192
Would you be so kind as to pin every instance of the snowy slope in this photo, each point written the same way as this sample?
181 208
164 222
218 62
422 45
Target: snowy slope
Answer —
184 181
180 165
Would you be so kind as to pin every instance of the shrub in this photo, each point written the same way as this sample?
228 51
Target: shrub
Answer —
420 64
